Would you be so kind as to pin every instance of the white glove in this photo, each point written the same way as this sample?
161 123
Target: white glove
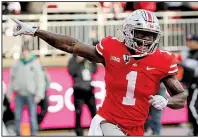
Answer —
159 102
23 28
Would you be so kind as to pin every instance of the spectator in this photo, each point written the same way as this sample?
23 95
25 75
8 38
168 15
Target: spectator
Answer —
155 116
14 7
5 8
129 7
4 131
179 6
24 7
81 69
8 116
151 6
112 7
161 6
44 102
27 81
190 79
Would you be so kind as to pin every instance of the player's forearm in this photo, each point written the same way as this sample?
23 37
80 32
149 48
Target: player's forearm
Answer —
70 45
62 42
178 101
178 94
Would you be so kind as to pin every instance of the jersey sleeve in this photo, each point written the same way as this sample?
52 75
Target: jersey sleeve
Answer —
173 68
100 48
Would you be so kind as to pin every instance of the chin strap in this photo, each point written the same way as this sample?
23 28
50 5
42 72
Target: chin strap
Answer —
140 55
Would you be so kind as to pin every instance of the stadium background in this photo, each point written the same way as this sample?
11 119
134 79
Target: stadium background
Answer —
89 22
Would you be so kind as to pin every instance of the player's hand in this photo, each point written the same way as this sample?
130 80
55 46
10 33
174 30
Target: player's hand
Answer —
23 28
159 102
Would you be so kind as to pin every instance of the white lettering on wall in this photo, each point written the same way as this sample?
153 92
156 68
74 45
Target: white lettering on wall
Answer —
65 99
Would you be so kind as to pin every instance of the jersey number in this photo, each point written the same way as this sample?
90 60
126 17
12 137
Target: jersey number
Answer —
129 99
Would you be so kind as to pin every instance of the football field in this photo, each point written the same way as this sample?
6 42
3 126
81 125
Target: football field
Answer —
181 130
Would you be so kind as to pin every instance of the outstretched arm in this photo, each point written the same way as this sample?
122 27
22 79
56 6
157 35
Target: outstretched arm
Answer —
177 93
62 42
70 45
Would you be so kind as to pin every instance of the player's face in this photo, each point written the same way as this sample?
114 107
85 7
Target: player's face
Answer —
144 39
148 36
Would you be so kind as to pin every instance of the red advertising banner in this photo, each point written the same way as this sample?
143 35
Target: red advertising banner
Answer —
61 109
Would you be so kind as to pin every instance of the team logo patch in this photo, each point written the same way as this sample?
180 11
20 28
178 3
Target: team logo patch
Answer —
115 58
126 58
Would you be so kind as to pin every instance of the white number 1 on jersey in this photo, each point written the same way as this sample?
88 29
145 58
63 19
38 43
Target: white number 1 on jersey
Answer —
129 99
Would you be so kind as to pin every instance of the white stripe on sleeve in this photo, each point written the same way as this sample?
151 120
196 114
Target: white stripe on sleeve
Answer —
173 71
98 51
174 65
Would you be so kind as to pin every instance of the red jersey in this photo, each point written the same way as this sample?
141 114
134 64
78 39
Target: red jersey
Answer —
130 82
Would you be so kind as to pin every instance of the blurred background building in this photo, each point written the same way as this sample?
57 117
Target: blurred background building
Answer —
88 22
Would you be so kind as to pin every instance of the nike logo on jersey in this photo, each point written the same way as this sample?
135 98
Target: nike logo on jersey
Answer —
115 58
148 68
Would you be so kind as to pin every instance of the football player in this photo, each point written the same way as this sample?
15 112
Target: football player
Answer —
134 69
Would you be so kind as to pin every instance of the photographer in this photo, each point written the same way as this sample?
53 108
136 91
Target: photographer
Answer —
81 70
190 79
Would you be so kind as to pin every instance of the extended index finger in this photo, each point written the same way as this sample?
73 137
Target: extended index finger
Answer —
16 21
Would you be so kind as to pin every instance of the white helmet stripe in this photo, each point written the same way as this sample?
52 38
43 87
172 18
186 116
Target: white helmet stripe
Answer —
144 15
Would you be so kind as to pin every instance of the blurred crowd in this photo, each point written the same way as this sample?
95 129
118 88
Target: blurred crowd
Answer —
107 7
